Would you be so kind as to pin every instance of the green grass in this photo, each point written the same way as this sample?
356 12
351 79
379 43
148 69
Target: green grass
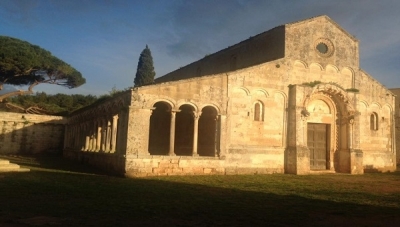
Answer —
64 193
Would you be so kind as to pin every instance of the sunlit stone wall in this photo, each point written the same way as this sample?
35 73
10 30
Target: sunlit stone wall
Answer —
31 134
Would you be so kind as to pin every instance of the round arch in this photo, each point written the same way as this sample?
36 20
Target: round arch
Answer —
167 101
247 91
331 68
181 103
160 124
208 132
300 64
329 111
184 129
263 91
315 67
211 105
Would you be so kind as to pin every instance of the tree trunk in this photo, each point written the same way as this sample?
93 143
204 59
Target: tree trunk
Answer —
19 92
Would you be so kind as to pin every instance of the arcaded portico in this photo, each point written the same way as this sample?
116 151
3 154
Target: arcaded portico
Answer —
184 131
289 100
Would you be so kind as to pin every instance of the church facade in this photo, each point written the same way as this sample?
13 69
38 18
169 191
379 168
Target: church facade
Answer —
290 100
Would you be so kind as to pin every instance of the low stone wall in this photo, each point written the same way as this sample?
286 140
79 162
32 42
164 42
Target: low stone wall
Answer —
154 165
375 161
110 162
254 160
31 133
173 165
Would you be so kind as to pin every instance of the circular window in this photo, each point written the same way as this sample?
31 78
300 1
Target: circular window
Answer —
324 47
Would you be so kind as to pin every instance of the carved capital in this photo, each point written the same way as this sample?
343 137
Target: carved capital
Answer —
196 115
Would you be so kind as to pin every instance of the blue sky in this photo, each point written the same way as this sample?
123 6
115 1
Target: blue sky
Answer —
103 38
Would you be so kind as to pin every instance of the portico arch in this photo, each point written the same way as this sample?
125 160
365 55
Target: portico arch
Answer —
208 132
184 130
160 123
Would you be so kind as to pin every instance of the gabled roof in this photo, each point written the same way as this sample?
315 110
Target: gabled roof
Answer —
273 51
326 18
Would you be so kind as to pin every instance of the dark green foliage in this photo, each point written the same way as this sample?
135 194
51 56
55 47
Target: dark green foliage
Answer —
114 92
145 70
59 104
22 63
355 90
312 84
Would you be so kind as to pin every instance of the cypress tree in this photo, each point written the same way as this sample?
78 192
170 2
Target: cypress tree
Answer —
145 70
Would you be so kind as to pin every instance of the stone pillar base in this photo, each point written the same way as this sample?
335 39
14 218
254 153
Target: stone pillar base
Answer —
297 160
356 161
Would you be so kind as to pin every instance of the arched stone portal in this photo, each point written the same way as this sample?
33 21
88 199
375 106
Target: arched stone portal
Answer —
321 132
326 119
330 125
184 130
208 132
160 123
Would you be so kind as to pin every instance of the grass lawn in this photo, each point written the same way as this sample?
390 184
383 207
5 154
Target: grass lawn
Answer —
62 193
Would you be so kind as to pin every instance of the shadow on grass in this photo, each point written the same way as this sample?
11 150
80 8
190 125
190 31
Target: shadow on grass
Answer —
64 199
52 163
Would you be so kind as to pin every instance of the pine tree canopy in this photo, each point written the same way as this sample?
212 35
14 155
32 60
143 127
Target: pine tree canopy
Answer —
145 70
22 63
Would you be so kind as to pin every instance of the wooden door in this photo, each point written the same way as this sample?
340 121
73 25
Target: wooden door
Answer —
317 138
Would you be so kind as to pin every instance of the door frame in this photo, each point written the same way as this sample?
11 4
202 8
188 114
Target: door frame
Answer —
327 145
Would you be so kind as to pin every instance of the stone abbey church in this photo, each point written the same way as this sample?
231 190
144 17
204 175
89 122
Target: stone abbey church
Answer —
289 100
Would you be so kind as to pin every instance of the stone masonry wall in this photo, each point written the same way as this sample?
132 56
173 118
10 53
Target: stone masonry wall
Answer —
31 134
396 116
185 165
302 38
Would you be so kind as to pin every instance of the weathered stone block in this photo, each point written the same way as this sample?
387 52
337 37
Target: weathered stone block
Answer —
208 170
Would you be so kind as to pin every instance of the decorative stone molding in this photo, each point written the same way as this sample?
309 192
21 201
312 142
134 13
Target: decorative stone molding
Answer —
324 47
337 94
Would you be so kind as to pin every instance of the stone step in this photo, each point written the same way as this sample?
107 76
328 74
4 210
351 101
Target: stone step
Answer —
317 172
6 166
4 162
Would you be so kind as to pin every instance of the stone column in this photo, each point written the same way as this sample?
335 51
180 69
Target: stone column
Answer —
87 137
196 117
344 137
356 154
97 136
222 135
216 136
103 135
89 132
172 134
393 131
108 136
351 131
114 134
297 154
93 137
